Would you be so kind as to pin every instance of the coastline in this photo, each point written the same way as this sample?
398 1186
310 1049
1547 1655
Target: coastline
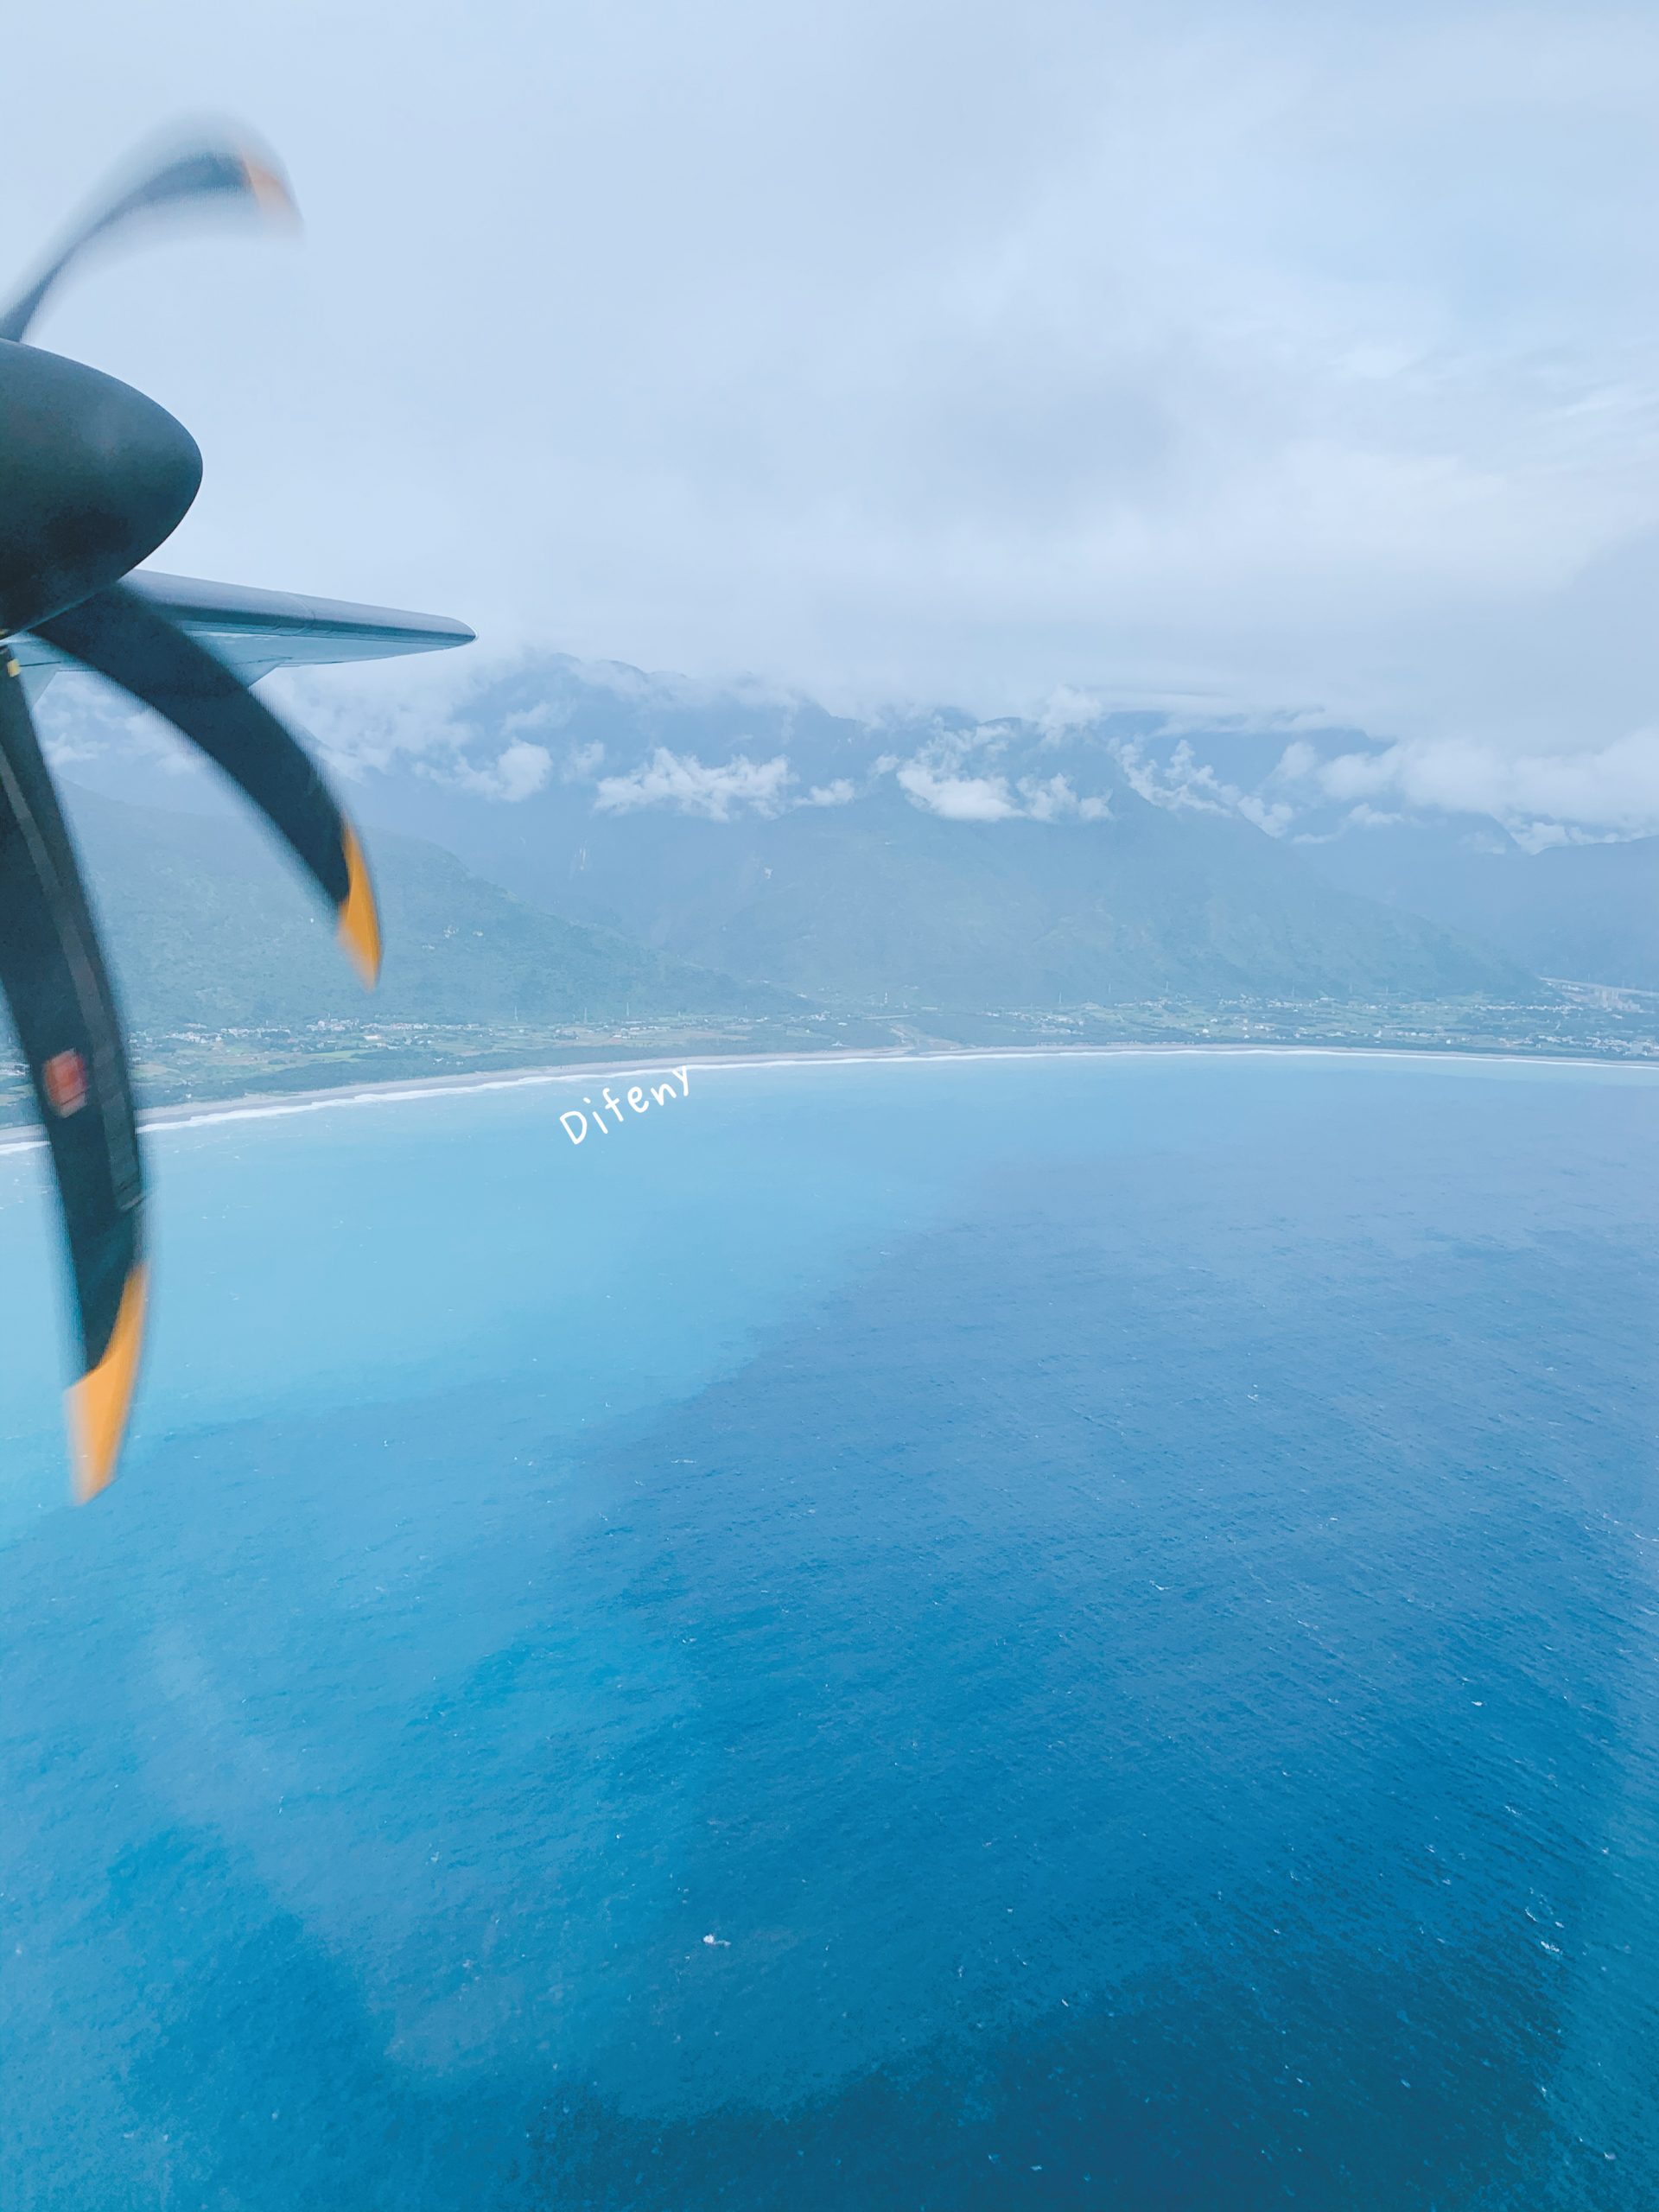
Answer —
259 1106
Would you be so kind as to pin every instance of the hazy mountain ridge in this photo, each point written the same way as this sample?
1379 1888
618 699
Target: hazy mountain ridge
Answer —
1548 896
207 925
880 897
1588 912
929 857
924 857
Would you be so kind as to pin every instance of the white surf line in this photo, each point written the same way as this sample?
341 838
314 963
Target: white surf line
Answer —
167 1118
948 1057
399 1090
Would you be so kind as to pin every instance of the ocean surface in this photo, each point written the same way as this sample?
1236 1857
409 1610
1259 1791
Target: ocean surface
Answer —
962 1634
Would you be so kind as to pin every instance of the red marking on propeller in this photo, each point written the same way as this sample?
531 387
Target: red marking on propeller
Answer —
64 1080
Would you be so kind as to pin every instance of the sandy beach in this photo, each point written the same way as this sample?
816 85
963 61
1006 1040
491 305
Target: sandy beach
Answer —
270 1105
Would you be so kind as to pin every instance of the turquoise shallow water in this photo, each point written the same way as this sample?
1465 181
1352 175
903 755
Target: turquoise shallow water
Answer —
1121 1593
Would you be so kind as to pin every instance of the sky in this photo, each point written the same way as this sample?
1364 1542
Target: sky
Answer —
1264 358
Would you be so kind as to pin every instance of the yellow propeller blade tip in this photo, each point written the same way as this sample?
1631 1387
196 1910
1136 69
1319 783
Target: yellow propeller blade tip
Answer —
100 1403
358 921
270 190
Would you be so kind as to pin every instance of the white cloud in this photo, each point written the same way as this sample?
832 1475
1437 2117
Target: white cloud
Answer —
582 763
1275 817
518 771
1613 787
842 792
993 798
1299 762
544 714
81 720
1066 709
691 786
958 798
1182 781
380 716
1055 801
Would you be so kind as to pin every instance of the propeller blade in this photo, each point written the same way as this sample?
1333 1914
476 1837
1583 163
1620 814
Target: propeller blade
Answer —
126 638
222 171
52 974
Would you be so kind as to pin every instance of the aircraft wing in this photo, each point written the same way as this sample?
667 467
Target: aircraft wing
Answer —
253 632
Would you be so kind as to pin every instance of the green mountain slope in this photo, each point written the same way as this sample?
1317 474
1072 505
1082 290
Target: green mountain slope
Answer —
207 925
1590 912
1018 913
705 822
847 904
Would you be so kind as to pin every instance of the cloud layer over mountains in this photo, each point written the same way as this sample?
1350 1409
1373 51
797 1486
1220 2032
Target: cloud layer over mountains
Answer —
722 751
1080 855
632 742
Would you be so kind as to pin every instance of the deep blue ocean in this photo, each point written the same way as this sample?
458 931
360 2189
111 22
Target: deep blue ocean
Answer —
968 1635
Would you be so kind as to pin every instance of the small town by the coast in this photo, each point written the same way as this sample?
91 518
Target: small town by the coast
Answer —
201 1064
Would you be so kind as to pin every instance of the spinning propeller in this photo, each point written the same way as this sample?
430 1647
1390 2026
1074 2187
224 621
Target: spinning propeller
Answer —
93 476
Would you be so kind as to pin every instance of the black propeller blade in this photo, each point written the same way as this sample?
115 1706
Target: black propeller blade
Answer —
132 643
54 976
225 172
93 477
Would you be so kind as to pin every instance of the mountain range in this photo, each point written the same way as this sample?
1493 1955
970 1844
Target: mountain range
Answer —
877 898
207 925
592 838
1586 911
